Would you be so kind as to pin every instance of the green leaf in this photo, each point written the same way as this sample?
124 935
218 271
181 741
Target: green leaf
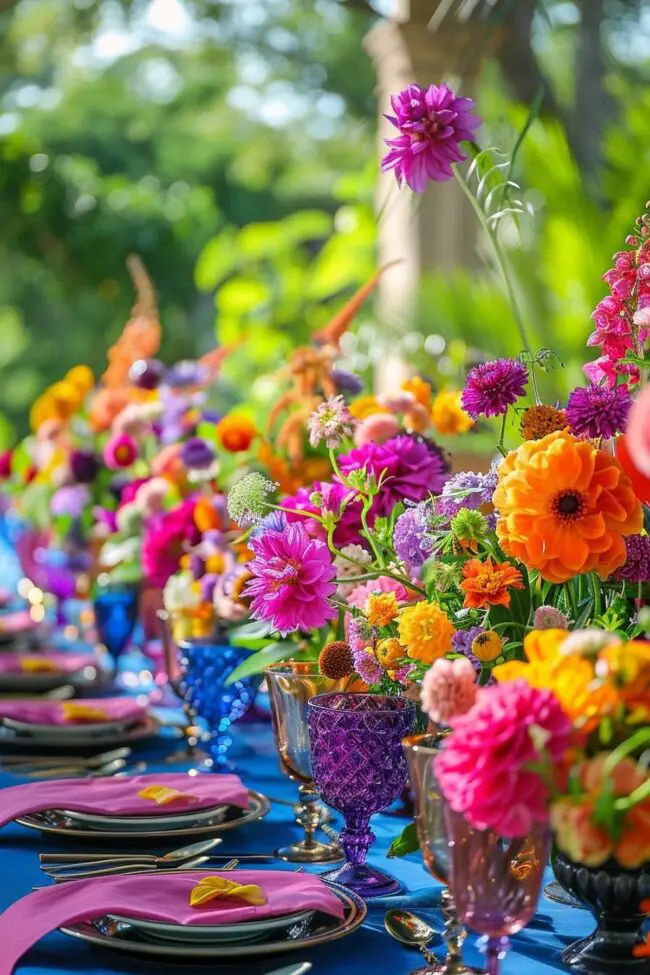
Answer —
255 630
405 843
258 661
217 260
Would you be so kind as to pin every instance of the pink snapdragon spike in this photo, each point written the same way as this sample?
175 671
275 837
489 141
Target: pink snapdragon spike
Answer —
432 124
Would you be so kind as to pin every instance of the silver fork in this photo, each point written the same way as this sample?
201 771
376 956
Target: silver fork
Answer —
65 878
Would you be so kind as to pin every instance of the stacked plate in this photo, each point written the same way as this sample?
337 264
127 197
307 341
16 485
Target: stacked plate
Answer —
162 825
275 935
36 673
37 723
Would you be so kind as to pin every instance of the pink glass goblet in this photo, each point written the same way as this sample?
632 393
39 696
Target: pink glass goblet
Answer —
495 881
359 769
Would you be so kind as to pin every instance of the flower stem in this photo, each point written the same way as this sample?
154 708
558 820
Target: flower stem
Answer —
385 572
641 737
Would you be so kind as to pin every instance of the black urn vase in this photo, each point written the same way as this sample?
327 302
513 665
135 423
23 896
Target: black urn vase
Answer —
613 895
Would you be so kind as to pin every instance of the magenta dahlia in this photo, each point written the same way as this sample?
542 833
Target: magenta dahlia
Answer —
432 123
412 468
332 497
491 387
292 580
598 411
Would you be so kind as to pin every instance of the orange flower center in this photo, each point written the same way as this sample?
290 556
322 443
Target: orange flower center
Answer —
568 506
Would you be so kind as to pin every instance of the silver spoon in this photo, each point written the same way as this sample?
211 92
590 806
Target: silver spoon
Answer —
61 860
411 930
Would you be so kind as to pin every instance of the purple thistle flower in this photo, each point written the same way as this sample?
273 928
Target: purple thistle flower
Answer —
197 454
292 580
491 387
432 123
598 411
637 565
347 382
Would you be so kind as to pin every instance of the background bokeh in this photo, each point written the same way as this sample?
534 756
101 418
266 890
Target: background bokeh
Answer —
233 145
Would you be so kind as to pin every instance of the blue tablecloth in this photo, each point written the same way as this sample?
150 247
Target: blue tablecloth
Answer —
369 951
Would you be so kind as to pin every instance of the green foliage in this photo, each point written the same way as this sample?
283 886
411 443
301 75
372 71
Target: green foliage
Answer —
405 843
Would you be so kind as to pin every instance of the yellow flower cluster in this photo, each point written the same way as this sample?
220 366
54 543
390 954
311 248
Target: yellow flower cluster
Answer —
62 399
426 631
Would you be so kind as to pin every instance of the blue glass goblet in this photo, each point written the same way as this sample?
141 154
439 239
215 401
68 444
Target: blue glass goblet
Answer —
205 668
116 612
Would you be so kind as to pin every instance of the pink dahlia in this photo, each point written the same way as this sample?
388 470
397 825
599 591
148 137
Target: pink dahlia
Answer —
332 496
486 767
120 451
413 468
293 579
432 124
167 537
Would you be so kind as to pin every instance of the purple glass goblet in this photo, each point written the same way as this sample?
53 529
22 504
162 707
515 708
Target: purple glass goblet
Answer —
495 881
359 768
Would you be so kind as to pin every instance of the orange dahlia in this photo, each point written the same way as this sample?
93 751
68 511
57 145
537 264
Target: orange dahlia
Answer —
564 507
488 583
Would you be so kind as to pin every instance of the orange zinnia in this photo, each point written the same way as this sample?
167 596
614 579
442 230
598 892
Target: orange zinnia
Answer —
236 433
564 508
488 583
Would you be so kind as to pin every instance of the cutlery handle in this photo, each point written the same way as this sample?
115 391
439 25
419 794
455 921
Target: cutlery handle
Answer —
65 878
69 869
70 858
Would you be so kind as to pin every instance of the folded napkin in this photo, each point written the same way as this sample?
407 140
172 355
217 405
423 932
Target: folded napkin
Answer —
123 797
155 897
55 663
87 711
18 622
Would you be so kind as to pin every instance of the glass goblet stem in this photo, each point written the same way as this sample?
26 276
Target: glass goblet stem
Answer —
356 838
454 935
495 949
309 814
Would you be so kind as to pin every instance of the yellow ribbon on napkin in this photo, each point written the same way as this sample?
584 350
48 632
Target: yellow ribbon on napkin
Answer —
211 888
162 794
34 665
72 711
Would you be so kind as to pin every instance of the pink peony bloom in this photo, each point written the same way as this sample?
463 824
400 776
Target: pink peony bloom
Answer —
167 537
448 689
549 618
484 768
293 579
637 434
432 123
376 428
361 593
119 452
413 468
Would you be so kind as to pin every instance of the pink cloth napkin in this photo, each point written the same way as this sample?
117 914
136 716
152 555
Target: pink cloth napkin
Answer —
53 712
18 622
119 797
155 897
63 663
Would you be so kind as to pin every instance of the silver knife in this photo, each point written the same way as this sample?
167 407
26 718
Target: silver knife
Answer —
298 969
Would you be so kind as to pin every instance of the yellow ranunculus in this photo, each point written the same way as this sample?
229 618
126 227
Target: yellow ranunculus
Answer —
447 414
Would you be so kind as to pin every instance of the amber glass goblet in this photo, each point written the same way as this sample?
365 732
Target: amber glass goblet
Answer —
496 881
291 686
420 750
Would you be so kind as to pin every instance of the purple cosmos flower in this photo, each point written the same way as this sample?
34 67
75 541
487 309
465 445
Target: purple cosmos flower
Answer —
413 468
637 564
188 372
491 387
411 536
84 465
347 382
330 423
432 124
292 580
598 411
197 454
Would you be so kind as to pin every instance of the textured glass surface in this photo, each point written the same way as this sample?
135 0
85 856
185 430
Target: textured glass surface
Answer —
116 611
205 668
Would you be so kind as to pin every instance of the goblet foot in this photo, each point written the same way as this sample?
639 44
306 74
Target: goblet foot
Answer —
556 892
312 852
607 953
448 967
364 880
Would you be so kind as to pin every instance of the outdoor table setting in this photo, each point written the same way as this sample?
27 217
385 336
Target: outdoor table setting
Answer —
413 702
